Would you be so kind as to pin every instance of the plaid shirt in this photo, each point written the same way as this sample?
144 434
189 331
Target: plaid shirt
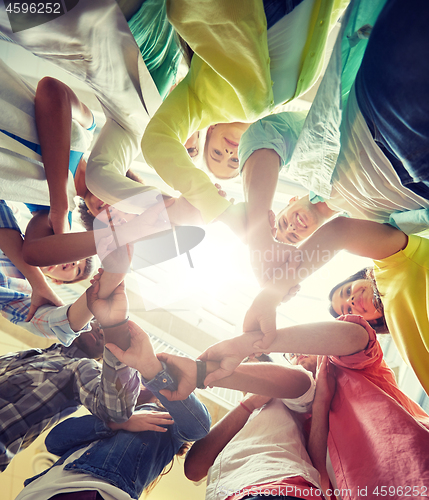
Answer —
15 297
39 387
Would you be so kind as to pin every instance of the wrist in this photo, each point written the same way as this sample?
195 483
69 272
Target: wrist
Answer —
151 369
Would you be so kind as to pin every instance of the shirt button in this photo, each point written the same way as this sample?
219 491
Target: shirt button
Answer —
321 23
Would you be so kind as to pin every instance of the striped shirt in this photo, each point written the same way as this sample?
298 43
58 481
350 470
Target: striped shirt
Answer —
15 297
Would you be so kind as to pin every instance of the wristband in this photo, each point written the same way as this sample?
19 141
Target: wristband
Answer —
245 407
117 324
201 373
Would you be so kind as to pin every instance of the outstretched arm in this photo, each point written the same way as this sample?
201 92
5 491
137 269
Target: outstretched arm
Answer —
360 237
42 248
318 441
330 338
11 244
204 452
55 106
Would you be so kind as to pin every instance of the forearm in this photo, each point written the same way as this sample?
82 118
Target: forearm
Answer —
11 244
118 335
78 314
267 379
360 237
53 121
260 176
318 441
204 452
331 338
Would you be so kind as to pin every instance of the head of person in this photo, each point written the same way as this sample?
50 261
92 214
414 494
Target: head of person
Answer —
91 342
91 206
299 219
72 272
307 361
359 294
221 148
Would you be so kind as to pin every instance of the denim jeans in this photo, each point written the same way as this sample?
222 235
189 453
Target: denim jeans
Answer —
392 89
276 9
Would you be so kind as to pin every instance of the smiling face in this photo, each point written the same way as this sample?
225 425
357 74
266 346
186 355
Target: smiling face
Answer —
221 150
356 297
298 220
65 272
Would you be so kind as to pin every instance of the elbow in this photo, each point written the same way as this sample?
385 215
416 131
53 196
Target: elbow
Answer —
30 256
194 468
51 88
358 338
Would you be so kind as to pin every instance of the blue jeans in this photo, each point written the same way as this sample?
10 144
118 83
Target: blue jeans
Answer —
276 9
392 89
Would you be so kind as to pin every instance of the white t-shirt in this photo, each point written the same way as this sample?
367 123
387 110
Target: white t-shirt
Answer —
268 448
22 173
57 480
364 182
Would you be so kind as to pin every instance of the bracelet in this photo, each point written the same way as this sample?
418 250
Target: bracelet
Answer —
245 407
117 324
201 373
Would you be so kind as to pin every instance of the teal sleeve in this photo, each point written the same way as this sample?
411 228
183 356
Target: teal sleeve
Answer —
412 221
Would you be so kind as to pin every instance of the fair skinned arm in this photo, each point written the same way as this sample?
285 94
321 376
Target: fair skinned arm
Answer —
318 440
330 338
360 237
260 176
11 243
55 107
268 379
110 311
204 452
42 248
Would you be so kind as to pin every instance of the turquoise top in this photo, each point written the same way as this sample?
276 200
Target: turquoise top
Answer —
157 43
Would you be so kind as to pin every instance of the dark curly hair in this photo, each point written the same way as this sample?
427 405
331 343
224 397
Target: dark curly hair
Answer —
366 273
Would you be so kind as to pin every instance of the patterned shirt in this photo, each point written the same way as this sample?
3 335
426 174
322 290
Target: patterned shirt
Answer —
38 387
15 297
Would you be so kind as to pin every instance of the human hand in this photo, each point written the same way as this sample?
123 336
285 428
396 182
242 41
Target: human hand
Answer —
272 223
230 353
41 295
182 213
255 401
325 382
116 266
111 310
144 420
184 370
140 354
273 261
262 316
151 221
222 193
